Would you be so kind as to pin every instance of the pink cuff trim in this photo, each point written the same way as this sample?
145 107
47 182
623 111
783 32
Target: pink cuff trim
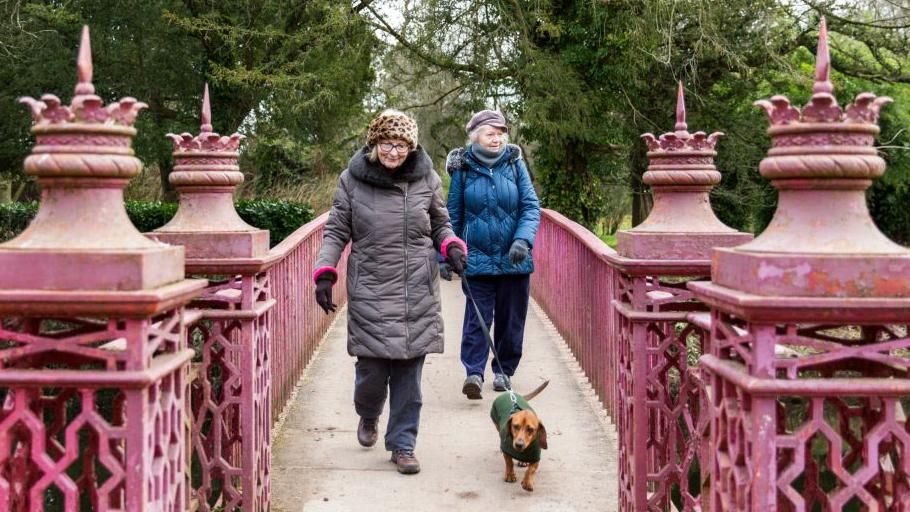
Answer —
324 270
453 240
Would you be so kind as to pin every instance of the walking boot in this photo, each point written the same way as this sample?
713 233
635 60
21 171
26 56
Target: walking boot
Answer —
367 432
406 461
471 387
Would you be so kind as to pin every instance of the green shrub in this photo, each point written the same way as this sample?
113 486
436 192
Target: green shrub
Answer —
150 215
281 218
15 217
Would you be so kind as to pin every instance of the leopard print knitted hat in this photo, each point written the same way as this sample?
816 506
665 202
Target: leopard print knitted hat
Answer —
393 124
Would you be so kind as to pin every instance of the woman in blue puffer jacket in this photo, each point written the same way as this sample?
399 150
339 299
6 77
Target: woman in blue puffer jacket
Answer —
493 207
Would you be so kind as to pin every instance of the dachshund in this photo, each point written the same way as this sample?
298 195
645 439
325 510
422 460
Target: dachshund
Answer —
521 433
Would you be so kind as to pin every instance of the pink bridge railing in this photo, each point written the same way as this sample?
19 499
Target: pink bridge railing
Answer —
298 324
573 282
258 326
625 321
781 383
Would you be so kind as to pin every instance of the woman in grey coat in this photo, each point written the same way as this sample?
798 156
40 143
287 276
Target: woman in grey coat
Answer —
389 205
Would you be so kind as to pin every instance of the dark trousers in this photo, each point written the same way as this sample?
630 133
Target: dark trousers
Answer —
376 378
503 301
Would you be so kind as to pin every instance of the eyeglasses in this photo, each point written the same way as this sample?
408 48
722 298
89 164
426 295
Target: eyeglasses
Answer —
388 147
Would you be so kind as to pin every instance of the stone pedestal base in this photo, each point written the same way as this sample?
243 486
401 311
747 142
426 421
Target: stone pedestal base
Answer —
672 246
217 244
812 275
71 269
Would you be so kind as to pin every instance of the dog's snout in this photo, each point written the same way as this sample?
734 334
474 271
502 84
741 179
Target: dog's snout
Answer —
520 444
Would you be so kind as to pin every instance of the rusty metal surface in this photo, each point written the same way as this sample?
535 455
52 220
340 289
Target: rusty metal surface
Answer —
681 173
809 353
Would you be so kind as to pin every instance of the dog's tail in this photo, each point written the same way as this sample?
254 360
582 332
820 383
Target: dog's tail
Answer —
537 391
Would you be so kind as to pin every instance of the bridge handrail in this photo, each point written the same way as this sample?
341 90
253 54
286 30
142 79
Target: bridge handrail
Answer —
573 282
298 324
582 234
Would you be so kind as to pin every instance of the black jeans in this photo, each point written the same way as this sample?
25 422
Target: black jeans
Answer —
399 379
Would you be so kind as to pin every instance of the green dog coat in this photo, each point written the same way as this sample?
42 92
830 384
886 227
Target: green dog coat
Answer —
500 412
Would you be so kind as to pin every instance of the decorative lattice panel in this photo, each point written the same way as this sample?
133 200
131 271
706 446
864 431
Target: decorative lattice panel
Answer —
93 415
231 396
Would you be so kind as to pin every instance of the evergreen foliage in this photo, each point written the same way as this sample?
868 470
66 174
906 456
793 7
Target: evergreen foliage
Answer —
290 76
580 81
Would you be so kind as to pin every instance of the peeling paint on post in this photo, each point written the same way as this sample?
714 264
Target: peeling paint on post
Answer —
655 396
804 355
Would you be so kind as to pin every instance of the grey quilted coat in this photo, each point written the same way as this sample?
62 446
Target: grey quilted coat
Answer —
396 222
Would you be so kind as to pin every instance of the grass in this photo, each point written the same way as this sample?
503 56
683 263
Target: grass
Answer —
610 238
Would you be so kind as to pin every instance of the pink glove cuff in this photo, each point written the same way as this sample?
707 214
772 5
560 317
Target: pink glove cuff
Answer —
325 270
453 240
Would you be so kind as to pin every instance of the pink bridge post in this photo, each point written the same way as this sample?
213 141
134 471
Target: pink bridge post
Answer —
661 401
231 391
807 366
93 352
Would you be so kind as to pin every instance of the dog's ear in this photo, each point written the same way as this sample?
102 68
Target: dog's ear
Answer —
542 435
509 428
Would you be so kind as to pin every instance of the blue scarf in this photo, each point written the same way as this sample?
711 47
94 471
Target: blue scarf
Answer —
485 156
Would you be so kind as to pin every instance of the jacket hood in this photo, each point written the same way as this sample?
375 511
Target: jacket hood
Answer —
416 166
455 159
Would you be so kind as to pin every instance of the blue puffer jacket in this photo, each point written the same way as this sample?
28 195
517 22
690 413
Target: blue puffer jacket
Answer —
490 208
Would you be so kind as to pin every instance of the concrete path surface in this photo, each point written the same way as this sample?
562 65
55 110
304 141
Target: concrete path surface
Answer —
318 466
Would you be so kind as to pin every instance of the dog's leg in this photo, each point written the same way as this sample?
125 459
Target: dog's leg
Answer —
510 469
527 483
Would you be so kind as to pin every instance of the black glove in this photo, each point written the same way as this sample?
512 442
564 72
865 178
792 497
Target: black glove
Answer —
324 294
456 259
519 251
445 271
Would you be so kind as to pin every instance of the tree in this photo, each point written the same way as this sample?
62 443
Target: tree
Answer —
293 76
135 54
582 78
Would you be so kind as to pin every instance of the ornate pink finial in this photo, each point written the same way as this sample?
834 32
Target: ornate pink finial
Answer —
823 106
84 65
680 139
681 109
822 61
206 140
86 107
206 111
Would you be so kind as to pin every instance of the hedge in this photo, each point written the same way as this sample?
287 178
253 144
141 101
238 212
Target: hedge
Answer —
281 218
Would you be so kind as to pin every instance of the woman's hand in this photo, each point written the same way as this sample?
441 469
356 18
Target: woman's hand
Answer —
445 271
324 294
519 251
456 259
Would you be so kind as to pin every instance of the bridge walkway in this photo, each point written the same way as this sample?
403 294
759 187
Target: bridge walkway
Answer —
317 464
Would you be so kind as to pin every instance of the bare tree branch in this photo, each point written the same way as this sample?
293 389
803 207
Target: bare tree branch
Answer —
435 60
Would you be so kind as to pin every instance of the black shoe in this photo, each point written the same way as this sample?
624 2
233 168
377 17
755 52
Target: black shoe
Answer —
366 431
471 387
406 461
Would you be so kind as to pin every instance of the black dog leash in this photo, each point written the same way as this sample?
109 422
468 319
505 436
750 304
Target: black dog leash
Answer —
486 334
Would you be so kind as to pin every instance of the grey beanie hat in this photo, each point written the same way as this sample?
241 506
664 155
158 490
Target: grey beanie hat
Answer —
490 117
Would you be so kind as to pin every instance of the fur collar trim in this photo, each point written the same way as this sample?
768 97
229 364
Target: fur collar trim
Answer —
456 158
415 167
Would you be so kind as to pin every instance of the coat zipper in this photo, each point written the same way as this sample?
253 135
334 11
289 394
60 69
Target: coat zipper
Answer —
407 331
